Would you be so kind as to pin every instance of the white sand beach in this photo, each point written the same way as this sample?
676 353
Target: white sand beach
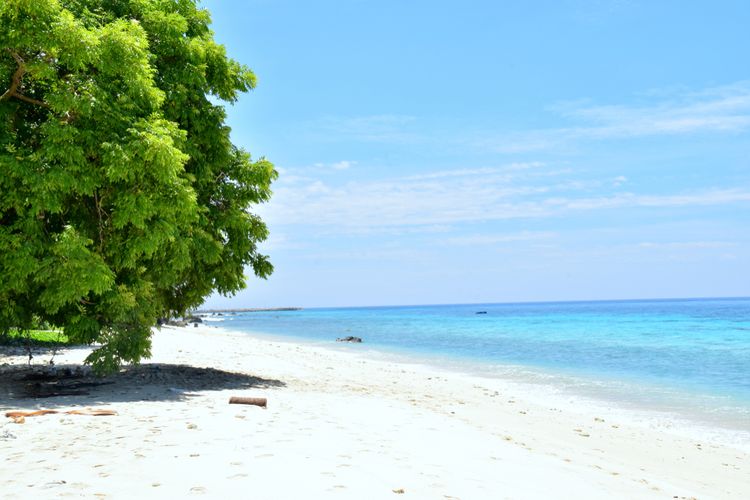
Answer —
340 425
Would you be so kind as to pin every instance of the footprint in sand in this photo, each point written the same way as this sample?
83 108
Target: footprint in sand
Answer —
237 476
52 484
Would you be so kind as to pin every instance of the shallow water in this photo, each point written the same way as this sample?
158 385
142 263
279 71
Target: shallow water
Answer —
683 356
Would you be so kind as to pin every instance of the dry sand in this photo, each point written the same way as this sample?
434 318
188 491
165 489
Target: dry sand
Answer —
339 423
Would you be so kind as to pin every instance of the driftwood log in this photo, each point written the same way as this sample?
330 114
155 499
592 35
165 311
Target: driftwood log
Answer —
237 400
35 413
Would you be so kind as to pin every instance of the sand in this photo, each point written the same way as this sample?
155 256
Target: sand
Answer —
340 423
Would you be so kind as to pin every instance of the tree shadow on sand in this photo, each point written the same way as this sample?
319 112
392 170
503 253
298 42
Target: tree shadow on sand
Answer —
69 385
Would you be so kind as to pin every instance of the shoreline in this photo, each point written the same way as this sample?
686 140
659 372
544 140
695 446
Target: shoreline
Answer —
345 425
649 401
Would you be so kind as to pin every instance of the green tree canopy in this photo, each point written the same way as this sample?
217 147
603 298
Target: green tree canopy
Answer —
122 198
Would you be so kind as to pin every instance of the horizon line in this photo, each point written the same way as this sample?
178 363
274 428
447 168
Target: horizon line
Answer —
529 302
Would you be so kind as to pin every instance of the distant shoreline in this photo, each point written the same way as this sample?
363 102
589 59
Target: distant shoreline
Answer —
254 309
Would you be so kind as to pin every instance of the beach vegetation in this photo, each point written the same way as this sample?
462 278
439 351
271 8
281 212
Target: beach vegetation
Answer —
122 197
36 338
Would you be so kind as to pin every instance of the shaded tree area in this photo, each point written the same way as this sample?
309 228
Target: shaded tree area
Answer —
122 198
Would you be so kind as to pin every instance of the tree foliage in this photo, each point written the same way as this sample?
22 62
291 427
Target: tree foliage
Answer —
122 198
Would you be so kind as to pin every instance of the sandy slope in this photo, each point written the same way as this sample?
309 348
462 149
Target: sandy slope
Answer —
340 424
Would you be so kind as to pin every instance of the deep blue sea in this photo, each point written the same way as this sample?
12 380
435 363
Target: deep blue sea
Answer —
670 354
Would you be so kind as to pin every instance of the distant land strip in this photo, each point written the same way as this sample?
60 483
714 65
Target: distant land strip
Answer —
257 309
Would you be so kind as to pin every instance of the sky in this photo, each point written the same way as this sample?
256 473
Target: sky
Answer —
482 151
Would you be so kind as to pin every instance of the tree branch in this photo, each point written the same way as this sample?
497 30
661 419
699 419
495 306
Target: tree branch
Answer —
30 100
16 81
98 203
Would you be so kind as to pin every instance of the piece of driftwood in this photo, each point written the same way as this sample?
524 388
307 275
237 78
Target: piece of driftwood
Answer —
18 414
94 413
237 400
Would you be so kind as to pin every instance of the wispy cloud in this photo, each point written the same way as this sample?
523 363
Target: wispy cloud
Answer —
281 241
619 180
339 165
384 253
699 198
373 128
508 169
343 164
718 109
329 197
449 197
686 245
493 239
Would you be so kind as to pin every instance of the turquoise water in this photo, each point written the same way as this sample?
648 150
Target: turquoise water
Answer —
671 351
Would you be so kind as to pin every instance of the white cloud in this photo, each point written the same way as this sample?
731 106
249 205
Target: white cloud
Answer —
280 241
450 197
339 165
343 165
619 180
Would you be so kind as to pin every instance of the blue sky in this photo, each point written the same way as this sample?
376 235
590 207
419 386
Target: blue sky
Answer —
449 152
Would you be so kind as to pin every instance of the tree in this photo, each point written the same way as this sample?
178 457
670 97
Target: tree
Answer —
122 198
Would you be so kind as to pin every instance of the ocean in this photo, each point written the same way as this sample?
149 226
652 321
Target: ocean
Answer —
688 357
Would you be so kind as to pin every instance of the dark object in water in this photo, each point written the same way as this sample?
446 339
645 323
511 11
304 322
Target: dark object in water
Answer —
481 312
349 339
